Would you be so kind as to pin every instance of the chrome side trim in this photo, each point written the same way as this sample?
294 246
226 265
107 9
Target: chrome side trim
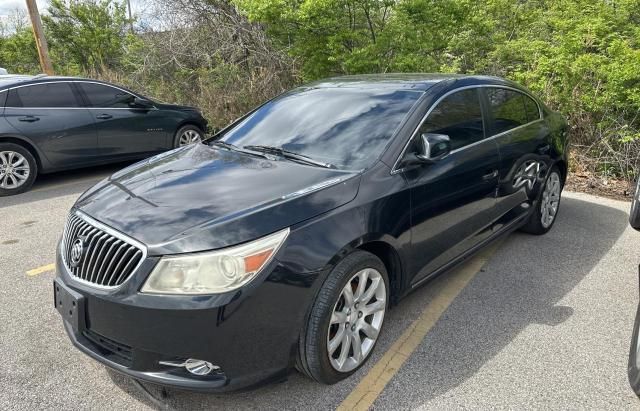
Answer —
111 232
395 170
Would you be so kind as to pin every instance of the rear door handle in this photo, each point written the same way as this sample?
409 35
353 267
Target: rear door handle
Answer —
490 176
104 116
29 119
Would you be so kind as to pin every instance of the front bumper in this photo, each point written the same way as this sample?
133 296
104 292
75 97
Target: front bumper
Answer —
251 335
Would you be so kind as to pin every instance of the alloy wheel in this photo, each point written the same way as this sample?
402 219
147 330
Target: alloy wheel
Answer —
14 169
356 320
550 200
189 137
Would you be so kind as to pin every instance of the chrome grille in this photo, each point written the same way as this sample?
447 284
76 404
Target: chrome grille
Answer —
106 260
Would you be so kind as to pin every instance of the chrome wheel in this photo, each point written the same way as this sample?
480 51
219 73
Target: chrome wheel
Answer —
356 320
14 169
189 137
550 200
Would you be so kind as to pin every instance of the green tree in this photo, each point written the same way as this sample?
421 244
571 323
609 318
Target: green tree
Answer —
87 36
18 53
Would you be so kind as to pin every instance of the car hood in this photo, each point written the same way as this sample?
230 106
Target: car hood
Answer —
200 198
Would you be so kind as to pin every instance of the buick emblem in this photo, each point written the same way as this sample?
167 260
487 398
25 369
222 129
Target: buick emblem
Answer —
77 252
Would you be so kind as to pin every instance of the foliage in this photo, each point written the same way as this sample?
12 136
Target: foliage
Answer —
87 36
581 56
18 52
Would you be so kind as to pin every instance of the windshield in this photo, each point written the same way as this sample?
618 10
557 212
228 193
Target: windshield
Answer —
345 127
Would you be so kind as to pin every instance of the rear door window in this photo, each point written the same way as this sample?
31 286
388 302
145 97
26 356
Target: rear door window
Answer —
46 95
458 116
103 96
507 109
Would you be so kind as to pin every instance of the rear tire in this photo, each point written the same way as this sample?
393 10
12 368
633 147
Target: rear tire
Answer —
18 169
340 335
548 205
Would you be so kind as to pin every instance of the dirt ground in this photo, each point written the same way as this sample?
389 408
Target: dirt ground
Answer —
586 182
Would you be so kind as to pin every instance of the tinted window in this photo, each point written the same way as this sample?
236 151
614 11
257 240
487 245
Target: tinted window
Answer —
43 95
532 108
105 96
459 116
346 127
508 109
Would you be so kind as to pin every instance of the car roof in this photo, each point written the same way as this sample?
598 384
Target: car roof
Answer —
408 81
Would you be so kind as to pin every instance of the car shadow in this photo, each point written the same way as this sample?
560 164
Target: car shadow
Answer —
519 286
63 183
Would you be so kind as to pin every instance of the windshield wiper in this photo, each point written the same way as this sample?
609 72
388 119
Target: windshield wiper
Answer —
233 147
225 144
290 155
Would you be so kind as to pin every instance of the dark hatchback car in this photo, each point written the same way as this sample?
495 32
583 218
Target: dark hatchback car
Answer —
283 241
58 123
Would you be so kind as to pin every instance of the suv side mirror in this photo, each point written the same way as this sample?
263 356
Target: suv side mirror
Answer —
634 214
140 103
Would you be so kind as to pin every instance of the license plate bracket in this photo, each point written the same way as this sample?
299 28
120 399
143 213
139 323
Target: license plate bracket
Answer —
70 304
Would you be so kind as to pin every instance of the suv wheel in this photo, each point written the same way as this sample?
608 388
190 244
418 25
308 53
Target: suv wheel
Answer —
345 320
18 169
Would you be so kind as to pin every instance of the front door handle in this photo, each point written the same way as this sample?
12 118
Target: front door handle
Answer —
491 175
29 119
104 116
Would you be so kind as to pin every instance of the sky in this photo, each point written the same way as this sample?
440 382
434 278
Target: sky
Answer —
7 7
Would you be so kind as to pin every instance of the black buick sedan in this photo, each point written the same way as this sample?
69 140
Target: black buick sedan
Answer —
58 123
282 242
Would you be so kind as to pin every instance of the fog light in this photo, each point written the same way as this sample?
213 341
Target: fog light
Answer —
194 366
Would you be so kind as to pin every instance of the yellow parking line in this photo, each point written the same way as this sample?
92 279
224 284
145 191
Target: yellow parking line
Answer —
374 382
40 270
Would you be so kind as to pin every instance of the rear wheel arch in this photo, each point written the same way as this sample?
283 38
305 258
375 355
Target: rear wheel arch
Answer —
562 166
27 145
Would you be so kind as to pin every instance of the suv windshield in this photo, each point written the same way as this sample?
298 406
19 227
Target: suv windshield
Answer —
344 127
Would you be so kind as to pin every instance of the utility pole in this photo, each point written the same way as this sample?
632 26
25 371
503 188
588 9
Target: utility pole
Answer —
41 41
130 18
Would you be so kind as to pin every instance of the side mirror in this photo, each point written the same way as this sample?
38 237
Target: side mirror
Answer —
140 103
431 148
634 214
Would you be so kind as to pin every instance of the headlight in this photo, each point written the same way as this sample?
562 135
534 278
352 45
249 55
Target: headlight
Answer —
214 271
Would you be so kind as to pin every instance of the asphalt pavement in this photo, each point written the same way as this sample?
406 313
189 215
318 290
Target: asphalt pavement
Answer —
534 322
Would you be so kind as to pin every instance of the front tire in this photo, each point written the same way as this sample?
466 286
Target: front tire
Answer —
186 135
18 169
544 216
345 320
